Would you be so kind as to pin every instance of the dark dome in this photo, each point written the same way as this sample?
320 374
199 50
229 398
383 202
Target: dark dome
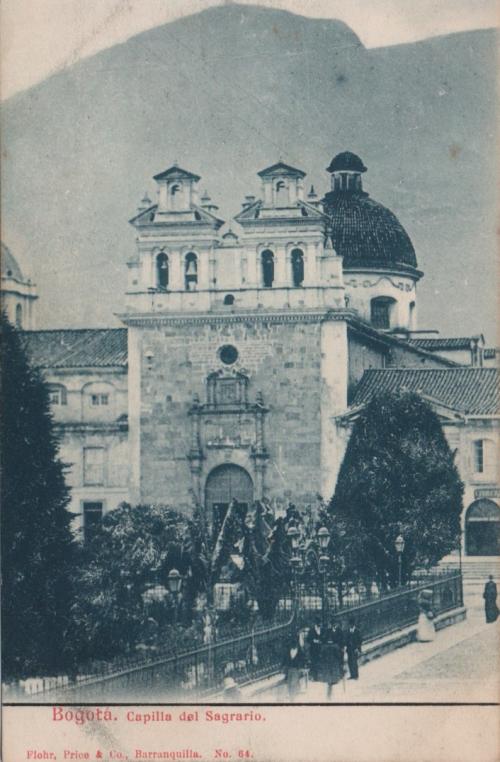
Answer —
366 234
346 162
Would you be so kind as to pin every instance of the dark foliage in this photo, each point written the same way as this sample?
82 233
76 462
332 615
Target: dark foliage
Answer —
398 477
133 548
38 550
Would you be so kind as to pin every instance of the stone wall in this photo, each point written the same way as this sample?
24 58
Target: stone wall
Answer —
282 358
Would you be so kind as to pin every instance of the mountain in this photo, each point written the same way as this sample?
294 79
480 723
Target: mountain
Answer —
227 92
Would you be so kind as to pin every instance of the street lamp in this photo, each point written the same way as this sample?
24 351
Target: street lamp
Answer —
399 544
293 535
323 538
324 560
174 579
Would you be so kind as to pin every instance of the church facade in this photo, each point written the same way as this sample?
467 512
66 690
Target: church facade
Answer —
249 348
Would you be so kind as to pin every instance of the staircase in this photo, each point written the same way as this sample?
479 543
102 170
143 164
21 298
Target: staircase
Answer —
475 573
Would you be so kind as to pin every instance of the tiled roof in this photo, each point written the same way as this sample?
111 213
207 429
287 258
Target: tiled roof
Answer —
367 234
77 348
474 391
438 343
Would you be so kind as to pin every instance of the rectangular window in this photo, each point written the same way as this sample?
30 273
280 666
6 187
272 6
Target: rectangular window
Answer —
479 456
380 314
92 517
93 465
99 399
57 395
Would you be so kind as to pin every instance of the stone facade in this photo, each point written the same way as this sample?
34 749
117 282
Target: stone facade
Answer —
243 349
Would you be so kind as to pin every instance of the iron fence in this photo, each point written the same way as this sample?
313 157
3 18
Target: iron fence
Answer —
199 673
383 613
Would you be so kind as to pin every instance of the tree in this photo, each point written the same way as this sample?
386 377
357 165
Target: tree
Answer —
135 546
398 476
38 549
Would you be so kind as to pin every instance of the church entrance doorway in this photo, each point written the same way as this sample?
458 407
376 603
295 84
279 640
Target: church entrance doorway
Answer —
225 483
482 529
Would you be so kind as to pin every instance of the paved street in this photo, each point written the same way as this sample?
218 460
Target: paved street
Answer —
461 664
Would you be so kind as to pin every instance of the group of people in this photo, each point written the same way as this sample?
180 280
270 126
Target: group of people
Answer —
321 656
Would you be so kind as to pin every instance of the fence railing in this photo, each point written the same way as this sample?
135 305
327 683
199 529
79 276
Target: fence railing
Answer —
400 609
192 674
200 672
382 613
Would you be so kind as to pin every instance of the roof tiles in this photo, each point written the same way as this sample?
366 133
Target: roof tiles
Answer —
77 348
474 391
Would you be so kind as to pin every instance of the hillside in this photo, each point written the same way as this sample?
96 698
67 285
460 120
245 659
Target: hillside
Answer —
226 92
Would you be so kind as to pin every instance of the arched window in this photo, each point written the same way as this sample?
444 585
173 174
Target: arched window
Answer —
19 316
162 270
229 299
297 267
412 315
191 271
267 264
381 311
281 193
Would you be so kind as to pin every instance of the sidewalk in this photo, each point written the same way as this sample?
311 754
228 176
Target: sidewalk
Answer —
461 665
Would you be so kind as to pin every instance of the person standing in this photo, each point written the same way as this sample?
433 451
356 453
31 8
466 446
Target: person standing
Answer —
490 600
294 664
353 645
332 660
313 641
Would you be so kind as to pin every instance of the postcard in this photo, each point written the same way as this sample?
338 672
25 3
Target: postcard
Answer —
250 412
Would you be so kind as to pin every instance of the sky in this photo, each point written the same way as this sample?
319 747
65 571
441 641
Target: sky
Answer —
39 37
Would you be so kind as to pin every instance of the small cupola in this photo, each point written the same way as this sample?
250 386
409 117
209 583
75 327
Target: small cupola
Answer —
144 204
282 185
207 203
177 189
346 169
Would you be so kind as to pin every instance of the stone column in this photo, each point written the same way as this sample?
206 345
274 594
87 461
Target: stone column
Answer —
310 265
254 268
282 278
203 270
134 414
151 269
333 400
176 262
162 198
267 190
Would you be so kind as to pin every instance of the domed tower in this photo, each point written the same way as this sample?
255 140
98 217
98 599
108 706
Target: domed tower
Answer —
18 293
379 262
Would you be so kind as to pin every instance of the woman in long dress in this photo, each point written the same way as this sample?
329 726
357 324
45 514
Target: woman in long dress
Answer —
294 664
332 660
425 626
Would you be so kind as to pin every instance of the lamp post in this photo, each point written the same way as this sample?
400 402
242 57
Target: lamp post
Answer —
174 585
324 560
153 597
399 544
293 535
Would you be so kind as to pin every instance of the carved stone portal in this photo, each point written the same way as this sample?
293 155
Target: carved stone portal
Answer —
228 422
